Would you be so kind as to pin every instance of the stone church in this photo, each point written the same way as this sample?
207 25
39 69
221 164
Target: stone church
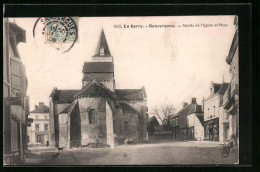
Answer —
98 110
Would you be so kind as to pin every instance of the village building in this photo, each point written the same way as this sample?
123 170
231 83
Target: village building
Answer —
15 99
38 132
231 96
216 120
188 122
98 110
175 126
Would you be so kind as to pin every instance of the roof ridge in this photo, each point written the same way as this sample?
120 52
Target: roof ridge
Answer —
91 83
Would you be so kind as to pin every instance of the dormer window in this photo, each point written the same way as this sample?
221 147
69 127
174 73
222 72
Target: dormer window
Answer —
102 51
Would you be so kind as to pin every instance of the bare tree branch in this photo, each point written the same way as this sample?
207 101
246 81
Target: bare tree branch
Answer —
163 113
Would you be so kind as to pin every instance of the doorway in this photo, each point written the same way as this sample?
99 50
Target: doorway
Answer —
226 131
40 139
211 134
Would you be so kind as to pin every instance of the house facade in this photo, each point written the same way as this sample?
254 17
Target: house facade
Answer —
231 96
15 99
98 110
188 122
216 122
175 125
38 132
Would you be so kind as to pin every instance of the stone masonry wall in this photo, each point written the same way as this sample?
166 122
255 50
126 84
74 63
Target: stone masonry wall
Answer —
118 123
131 130
90 132
63 130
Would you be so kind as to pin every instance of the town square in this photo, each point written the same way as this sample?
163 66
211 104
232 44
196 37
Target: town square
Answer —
90 91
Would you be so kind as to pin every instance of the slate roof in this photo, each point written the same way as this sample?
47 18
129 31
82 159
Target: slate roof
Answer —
201 118
46 109
102 43
69 108
127 108
223 88
129 94
189 109
64 96
95 89
98 67
216 87
66 110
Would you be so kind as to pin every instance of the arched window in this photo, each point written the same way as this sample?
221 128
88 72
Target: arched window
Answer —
92 116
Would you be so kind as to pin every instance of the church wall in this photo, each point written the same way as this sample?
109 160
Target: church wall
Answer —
131 127
63 134
143 123
58 109
109 126
51 124
90 132
75 128
55 131
118 124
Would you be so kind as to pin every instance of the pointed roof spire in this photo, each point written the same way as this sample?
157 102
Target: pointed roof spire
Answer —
102 46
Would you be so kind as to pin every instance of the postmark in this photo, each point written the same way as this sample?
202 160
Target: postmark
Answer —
59 32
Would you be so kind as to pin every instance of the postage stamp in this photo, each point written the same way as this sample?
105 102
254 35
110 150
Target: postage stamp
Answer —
58 32
61 29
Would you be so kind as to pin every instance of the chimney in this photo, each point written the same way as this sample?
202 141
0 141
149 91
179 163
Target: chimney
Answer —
36 107
184 104
193 101
41 104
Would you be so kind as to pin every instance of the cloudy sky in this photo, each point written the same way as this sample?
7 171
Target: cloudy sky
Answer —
174 64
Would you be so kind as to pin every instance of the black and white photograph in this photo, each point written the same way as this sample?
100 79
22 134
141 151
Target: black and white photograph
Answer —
136 90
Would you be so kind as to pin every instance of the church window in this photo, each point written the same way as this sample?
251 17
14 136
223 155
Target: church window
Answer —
92 116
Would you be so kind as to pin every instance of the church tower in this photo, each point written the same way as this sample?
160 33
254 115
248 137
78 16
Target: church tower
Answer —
102 66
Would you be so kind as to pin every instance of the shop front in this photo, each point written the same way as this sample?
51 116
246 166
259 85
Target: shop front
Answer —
211 129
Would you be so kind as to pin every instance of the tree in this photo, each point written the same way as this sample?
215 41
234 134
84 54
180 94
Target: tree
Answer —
163 113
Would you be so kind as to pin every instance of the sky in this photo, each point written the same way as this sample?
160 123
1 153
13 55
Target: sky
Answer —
173 64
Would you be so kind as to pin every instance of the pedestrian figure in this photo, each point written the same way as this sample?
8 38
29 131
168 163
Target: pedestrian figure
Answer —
47 143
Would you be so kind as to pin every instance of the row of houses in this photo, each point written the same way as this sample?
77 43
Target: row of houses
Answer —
217 118
15 99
